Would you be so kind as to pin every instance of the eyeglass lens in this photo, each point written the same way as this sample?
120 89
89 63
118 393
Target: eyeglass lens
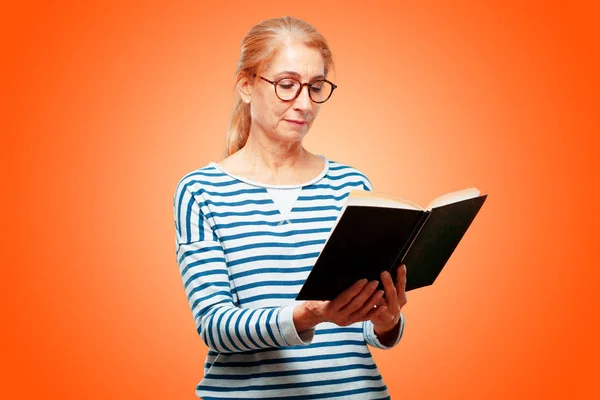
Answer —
319 91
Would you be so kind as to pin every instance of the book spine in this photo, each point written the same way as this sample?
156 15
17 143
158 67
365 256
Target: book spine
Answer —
415 232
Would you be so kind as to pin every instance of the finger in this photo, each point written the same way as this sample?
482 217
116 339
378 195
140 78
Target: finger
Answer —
360 298
347 295
401 280
368 306
390 291
401 289
375 313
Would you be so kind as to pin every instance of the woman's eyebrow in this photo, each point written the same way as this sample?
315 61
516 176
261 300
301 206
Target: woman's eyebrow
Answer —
295 74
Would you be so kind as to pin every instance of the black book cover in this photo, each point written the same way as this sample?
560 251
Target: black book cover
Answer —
368 240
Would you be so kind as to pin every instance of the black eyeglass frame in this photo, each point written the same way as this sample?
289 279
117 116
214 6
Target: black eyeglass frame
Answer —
309 84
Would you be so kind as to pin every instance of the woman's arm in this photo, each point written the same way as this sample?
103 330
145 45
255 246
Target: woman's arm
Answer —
222 325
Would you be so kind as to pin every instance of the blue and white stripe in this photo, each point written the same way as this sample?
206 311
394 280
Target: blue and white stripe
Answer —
241 269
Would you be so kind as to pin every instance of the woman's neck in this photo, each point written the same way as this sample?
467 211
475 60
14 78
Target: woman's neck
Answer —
272 157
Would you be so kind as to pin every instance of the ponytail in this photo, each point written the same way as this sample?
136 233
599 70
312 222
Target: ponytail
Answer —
239 127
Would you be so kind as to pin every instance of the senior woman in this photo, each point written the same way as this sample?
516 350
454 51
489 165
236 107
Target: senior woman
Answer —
250 227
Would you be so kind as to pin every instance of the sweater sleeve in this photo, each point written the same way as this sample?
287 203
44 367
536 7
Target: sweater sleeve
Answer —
223 326
371 338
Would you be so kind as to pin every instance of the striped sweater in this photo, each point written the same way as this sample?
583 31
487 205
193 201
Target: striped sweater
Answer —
242 264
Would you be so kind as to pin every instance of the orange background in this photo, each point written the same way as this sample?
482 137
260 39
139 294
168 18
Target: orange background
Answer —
105 106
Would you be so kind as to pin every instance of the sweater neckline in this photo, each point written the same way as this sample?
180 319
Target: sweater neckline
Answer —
270 186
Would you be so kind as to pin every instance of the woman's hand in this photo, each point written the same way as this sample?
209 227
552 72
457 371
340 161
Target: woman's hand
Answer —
395 299
357 303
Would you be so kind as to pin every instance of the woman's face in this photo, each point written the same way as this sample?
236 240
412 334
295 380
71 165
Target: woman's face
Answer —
273 116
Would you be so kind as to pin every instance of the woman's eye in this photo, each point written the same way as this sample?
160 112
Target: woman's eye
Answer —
287 82
286 86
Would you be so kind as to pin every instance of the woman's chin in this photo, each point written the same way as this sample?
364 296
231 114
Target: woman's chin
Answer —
294 135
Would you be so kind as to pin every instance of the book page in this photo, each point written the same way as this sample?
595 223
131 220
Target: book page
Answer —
374 199
454 197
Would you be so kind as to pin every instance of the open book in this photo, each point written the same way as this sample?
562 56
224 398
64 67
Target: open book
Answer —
376 232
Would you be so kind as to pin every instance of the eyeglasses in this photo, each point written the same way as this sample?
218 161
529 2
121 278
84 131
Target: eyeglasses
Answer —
288 89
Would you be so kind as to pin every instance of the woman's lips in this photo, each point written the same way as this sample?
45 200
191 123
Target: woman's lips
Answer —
299 123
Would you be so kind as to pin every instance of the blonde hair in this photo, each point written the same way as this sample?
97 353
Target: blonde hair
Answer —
259 47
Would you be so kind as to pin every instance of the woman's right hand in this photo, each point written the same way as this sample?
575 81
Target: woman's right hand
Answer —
357 303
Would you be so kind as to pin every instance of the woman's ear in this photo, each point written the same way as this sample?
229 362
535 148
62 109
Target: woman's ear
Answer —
245 89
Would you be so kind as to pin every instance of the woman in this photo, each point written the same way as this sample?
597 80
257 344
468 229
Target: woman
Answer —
250 227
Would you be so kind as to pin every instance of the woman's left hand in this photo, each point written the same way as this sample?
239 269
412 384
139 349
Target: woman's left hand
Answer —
395 298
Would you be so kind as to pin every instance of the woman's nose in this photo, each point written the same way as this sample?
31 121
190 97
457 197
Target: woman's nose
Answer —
303 101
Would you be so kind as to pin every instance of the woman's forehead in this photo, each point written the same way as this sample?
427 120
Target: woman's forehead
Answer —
297 58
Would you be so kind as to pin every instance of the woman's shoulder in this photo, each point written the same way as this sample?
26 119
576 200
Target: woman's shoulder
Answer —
207 174
341 170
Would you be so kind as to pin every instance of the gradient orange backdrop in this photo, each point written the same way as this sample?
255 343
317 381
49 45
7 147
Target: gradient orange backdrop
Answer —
105 106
